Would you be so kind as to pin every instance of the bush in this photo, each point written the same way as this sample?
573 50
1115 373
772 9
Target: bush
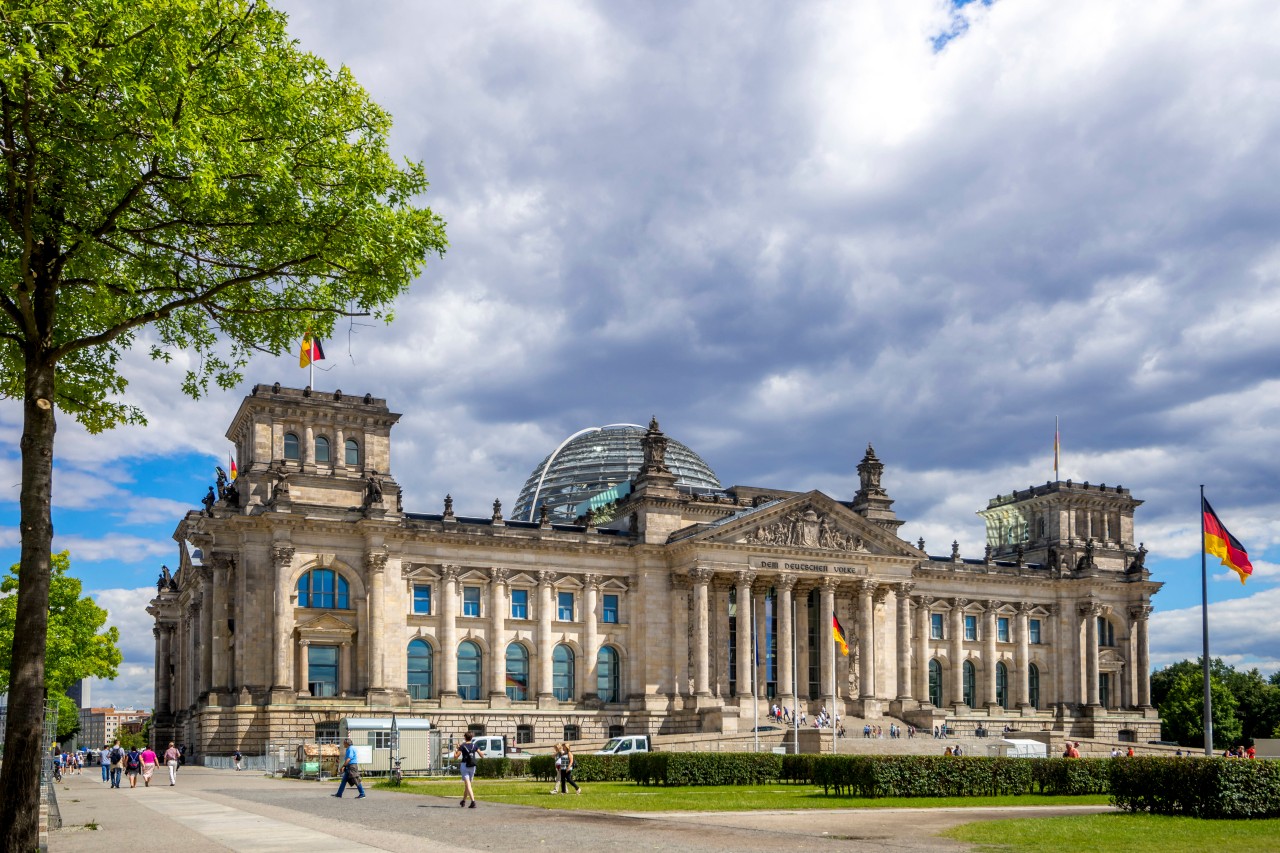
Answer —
501 768
704 768
797 768
586 768
1073 776
542 767
921 775
1196 787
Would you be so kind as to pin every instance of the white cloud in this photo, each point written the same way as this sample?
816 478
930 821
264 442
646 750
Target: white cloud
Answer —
127 612
118 547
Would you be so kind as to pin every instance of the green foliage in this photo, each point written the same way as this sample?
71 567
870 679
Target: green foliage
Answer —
704 768
68 718
183 165
1197 787
501 768
1182 705
586 768
1119 833
945 776
78 647
1072 776
132 740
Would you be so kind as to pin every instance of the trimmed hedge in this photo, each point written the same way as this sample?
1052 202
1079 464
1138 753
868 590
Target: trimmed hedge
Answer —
946 776
501 768
704 768
1197 787
586 768
1073 776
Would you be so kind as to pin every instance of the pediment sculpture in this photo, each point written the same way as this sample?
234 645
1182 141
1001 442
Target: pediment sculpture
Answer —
806 529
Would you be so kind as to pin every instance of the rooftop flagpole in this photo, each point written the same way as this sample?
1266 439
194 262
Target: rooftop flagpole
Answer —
1204 619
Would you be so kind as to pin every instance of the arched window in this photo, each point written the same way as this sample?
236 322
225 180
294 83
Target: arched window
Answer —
291 447
608 680
935 683
419 669
352 452
470 670
1033 685
322 449
517 672
1002 685
324 589
562 682
969 680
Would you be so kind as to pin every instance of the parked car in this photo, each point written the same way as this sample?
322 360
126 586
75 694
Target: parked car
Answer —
625 745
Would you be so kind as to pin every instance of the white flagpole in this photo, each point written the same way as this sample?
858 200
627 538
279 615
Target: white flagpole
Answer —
835 694
795 681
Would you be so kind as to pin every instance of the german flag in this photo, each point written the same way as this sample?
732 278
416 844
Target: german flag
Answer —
839 635
311 350
1219 542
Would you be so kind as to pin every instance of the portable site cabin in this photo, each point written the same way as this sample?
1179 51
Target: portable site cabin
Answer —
419 743
1018 748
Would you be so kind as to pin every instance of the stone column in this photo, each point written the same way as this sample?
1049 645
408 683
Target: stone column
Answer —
1140 614
786 639
759 643
308 453
802 654
375 563
220 675
344 668
497 633
339 452
1023 662
903 593
304 667
1090 611
957 651
206 630
743 582
866 640
164 675
282 632
827 641
923 629
679 663
546 605
989 653
591 636
449 632
701 577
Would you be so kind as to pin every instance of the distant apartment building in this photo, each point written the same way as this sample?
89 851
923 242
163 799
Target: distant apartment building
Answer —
103 725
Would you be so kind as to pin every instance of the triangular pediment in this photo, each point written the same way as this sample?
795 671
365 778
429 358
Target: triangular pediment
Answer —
809 522
325 622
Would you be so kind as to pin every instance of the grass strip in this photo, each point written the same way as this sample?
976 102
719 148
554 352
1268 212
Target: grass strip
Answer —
630 797
1119 833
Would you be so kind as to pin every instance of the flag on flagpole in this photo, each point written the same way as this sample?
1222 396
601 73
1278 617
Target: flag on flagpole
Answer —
311 351
839 635
1057 446
234 473
1219 542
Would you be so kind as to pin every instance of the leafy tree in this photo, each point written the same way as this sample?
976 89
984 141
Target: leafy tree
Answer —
176 173
1182 707
1258 701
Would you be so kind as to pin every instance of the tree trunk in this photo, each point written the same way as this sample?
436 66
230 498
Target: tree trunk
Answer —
23 742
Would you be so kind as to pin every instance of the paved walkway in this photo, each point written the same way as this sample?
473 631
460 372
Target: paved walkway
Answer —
224 810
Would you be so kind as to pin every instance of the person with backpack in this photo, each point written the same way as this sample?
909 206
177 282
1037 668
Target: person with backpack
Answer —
117 763
236 758
350 771
467 755
171 759
133 766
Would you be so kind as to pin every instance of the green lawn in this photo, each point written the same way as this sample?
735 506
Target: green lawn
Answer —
629 797
1120 833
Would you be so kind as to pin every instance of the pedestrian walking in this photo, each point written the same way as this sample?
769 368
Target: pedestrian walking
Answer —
172 757
235 758
467 755
559 768
566 769
133 766
350 770
116 755
104 758
149 762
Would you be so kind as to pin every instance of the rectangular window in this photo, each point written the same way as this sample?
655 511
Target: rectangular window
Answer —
610 609
422 599
935 626
322 670
971 627
564 606
1002 629
519 604
524 733
1034 625
380 740
471 601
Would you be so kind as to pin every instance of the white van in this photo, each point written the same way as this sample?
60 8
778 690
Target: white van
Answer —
493 746
625 745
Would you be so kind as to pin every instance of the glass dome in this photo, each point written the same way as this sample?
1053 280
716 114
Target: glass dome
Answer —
598 458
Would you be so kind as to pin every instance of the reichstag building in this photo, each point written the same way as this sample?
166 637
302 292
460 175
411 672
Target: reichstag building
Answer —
629 591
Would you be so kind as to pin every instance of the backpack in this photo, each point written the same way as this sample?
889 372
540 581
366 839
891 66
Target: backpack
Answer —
117 755
133 762
468 751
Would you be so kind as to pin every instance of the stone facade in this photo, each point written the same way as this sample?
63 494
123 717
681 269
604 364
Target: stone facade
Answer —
306 593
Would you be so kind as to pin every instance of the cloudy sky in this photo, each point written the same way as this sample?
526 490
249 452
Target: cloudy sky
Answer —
788 230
